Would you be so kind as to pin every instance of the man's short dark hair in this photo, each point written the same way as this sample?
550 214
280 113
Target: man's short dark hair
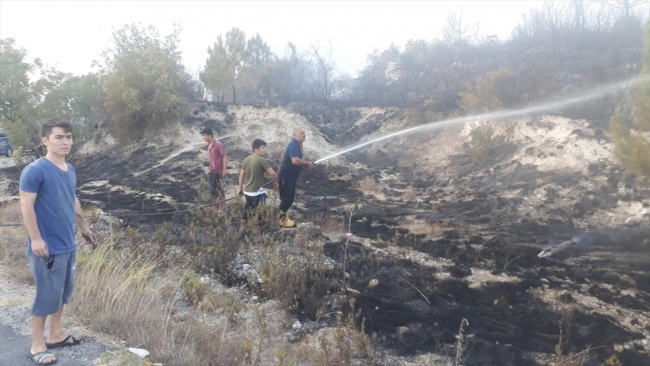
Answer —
47 126
257 143
207 131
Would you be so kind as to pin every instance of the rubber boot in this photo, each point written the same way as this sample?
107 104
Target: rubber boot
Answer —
287 222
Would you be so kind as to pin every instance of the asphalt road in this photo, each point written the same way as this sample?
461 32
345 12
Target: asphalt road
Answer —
14 349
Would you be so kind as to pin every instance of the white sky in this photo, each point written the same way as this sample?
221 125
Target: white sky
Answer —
71 34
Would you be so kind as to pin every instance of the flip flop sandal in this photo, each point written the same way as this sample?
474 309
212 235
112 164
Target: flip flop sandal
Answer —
39 358
68 341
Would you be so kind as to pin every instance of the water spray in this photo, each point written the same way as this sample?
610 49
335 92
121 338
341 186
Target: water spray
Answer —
592 94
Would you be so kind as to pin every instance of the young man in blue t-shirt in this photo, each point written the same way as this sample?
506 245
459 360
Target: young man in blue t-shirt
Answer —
292 165
50 209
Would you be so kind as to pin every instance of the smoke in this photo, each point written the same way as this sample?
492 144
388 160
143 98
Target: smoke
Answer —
583 239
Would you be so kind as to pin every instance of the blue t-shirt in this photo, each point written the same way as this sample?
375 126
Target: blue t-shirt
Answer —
54 206
288 170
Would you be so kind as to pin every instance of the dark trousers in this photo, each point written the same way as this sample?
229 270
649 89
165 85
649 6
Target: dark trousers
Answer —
287 194
216 189
251 204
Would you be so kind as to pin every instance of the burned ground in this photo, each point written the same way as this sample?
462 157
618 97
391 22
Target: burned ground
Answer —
468 224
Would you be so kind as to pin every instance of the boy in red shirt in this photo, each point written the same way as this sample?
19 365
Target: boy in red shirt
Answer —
218 164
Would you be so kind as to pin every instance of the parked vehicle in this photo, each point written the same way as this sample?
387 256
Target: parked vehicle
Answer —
5 145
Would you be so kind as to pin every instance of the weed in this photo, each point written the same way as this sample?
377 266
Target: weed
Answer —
194 289
612 361
18 156
368 185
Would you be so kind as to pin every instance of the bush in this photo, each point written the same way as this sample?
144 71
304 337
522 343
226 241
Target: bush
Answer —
486 137
486 95
368 185
212 238
630 146
299 283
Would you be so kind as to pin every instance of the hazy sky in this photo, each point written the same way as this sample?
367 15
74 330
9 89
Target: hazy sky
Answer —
73 33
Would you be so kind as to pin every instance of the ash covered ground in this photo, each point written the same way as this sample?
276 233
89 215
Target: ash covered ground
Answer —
447 237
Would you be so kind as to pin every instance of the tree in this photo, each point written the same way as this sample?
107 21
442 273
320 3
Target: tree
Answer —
15 91
325 70
223 68
259 65
142 81
459 33
626 6
374 75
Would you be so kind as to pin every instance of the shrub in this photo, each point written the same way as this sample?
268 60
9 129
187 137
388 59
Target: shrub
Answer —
368 185
486 137
298 282
631 147
485 95
193 288
212 239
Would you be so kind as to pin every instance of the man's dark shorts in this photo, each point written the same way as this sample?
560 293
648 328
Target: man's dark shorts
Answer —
287 194
216 188
252 202
54 277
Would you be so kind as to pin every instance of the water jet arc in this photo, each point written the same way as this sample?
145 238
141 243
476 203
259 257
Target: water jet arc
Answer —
592 94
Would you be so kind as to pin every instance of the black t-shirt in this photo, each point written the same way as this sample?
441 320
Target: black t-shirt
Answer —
288 170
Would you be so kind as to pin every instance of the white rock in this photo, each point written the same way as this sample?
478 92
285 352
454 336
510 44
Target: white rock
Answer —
142 353
475 286
632 221
297 325
255 298
618 348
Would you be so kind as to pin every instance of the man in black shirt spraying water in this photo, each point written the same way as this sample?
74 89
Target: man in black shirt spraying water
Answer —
291 166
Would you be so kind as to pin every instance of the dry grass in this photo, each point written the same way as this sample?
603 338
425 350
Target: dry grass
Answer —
436 230
116 294
368 185
409 195
343 344
332 224
13 244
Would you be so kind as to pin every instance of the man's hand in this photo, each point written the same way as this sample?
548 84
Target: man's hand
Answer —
311 164
39 248
89 236
224 172
276 185
241 193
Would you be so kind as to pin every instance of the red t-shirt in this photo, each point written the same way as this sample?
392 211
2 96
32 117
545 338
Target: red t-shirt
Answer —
216 152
